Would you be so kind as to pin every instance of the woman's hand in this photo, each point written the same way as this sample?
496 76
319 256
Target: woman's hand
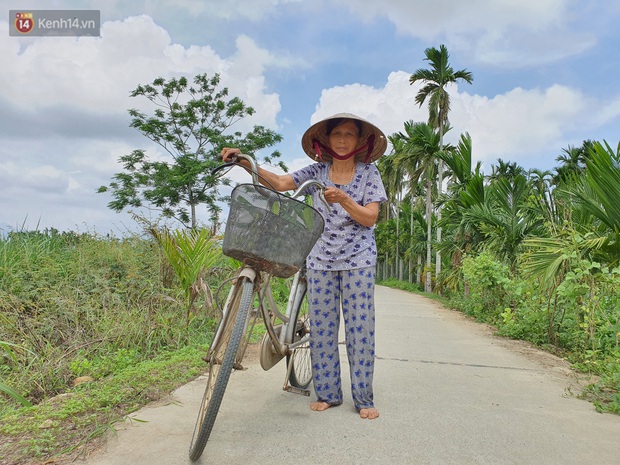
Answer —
365 215
228 153
335 195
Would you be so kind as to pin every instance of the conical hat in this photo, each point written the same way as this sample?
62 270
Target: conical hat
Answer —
318 133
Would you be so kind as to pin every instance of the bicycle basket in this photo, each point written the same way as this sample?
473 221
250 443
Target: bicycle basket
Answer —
270 231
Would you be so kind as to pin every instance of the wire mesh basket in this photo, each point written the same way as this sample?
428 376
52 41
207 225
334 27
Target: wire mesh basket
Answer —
270 231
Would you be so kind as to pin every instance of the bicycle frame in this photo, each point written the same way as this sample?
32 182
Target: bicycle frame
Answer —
284 343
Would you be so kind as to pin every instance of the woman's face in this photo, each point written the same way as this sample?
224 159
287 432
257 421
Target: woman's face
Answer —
344 138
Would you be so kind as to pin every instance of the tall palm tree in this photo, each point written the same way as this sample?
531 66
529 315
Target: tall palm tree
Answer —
545 201
573 162
419 161
393 179
506 169
435 80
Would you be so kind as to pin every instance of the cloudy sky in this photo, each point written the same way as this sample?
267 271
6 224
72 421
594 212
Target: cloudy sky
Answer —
545 78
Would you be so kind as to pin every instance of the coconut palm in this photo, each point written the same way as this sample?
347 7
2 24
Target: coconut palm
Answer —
419 160
504 219
465 190
435 81
393 180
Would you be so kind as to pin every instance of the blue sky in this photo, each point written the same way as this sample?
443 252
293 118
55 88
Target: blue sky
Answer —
545 78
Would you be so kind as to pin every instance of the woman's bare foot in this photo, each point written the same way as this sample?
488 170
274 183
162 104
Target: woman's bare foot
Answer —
369 413
319 406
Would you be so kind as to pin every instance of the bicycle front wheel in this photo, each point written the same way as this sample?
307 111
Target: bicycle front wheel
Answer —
221 364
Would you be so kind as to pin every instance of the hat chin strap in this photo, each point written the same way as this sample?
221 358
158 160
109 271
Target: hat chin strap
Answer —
368 147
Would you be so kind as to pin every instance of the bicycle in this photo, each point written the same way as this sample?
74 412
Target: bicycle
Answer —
271 234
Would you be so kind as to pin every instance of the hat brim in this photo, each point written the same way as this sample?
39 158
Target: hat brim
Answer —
318 131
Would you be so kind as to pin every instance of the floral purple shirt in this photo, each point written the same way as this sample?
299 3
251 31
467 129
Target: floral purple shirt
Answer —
345 244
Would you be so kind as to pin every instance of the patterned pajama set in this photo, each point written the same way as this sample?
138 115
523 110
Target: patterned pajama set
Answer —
341 275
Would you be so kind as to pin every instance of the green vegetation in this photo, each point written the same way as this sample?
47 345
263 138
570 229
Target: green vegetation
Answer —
92 328
78 305
191 122
535 253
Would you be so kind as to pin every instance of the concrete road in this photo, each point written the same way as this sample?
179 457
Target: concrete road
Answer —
449 392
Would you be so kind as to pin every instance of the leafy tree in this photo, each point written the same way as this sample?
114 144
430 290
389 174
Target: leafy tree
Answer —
466 190
504 218
573 162
435 80
191 123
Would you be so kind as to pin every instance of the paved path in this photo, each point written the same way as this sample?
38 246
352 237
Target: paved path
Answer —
449 392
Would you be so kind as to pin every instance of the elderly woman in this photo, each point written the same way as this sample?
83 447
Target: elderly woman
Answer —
341 266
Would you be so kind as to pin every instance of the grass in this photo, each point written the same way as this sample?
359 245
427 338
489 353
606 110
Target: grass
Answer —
100 308
64 425
75 305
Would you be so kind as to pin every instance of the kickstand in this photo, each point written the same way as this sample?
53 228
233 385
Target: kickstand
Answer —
287 387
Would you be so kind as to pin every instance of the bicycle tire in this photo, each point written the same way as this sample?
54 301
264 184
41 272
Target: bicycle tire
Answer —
301 371
219 373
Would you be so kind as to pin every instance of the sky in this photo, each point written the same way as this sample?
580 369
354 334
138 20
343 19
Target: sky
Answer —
546 77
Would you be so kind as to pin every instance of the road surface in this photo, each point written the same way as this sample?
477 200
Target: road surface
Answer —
448 390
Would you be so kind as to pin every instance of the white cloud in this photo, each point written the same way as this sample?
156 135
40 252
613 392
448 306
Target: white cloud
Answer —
64 120
518 125
96 75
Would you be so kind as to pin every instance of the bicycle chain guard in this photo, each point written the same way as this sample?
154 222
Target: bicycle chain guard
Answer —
268 355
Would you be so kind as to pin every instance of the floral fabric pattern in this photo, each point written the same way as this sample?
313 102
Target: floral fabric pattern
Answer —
345 244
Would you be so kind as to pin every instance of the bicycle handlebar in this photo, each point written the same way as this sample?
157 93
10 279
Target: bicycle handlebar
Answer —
317 184
254 172
234 161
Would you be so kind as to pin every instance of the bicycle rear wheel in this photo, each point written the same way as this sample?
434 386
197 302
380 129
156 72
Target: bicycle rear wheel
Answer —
301 371
221 364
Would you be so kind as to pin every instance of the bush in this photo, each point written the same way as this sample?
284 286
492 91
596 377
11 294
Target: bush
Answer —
73 303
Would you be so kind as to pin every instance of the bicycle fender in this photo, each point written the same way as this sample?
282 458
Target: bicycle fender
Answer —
248 272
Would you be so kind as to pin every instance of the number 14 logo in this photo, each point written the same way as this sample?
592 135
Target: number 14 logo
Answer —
24 22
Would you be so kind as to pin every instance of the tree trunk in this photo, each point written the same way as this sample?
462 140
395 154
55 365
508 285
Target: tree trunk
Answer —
429 231
397 274
194 220
439 191
411 240
418 277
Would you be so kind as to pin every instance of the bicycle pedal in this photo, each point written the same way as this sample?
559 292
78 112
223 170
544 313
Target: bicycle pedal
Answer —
295 390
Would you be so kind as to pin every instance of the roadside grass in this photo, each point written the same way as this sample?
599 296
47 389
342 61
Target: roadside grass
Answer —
64 426
93 307
102 310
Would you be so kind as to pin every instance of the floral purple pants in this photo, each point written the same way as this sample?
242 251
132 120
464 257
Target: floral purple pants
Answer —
353 291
